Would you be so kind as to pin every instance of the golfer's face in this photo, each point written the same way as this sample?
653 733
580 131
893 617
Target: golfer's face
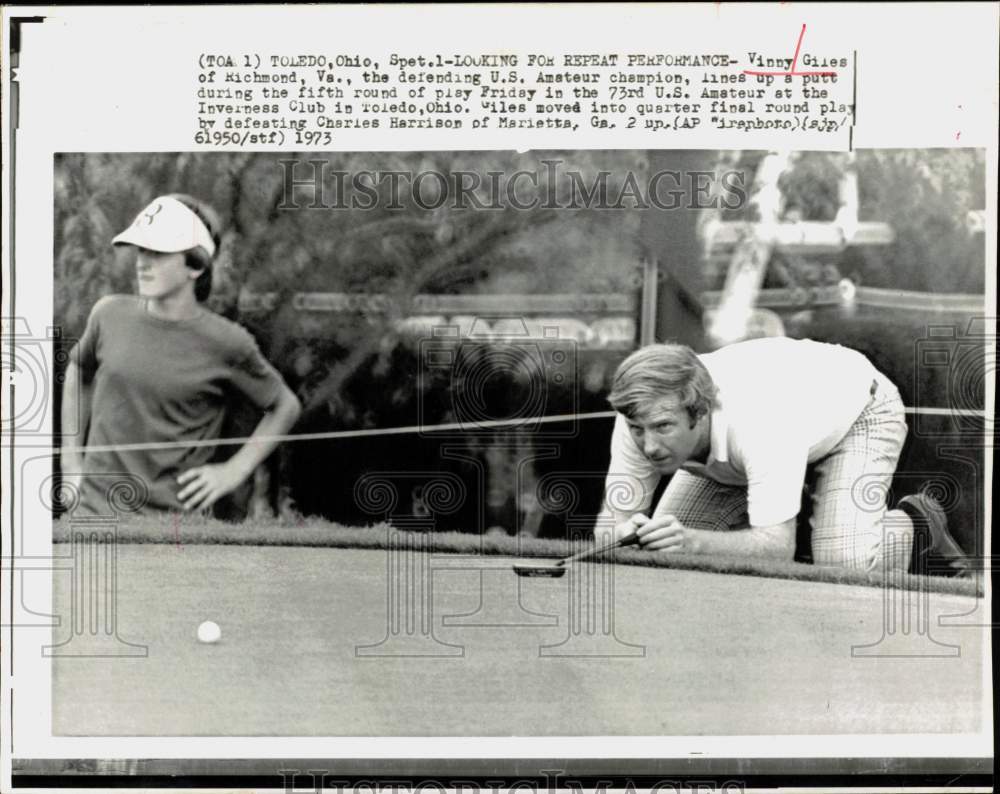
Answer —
662 431
160 275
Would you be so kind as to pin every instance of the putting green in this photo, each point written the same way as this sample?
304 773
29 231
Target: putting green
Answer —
334 641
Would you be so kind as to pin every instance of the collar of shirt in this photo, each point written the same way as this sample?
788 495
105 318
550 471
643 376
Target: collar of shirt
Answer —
719 443
718 450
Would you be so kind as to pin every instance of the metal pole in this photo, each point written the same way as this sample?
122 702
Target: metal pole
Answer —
647 320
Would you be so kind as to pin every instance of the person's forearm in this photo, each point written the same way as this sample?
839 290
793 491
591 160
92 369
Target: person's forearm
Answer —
75 414
262 442
777 541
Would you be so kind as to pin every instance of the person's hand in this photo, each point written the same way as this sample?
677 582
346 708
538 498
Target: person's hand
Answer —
665 533
202 486
629 525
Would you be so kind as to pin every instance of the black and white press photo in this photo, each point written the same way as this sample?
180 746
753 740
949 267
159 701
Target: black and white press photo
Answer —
498 397
376 436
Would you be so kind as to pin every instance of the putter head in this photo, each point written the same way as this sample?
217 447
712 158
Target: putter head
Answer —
547 570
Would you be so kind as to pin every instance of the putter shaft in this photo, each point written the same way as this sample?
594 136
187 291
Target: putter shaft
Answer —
627 540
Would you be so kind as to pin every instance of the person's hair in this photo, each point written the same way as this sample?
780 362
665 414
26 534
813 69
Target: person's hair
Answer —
656 371
198 258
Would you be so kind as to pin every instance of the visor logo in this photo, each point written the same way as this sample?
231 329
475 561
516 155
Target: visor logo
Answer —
153 214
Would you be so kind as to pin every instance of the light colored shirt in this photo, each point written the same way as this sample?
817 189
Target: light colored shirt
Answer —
782 404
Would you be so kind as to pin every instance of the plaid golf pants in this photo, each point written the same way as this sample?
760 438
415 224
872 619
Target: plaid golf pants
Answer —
848 488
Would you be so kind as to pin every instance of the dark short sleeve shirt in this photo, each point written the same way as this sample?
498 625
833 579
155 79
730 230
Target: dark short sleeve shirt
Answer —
158 382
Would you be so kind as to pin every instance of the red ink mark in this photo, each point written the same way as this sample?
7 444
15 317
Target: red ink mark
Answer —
795 60
958 135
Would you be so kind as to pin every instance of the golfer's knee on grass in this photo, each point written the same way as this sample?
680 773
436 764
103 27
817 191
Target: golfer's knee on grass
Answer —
859 552
884 545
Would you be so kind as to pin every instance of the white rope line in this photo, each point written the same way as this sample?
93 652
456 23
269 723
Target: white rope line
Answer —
978 412
465 427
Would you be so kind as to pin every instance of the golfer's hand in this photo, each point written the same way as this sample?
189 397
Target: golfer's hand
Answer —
629 525
203 486
665 533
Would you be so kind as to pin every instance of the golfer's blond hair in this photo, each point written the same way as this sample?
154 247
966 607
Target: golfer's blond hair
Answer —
656 371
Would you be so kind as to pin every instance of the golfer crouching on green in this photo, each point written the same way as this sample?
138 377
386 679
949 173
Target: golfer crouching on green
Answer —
740 432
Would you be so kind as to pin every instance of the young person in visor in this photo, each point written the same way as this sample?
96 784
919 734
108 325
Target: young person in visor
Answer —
159 369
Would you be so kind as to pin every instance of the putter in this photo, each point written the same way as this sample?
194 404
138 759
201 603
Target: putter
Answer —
557 569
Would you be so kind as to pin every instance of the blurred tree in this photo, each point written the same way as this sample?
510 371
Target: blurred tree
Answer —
926 196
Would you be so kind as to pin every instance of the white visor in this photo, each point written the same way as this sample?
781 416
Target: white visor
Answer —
168 226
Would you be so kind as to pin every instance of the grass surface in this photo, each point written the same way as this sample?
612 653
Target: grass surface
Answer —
332 642
192 530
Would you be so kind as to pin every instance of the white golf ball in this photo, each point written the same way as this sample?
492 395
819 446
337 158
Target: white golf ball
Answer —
209 631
